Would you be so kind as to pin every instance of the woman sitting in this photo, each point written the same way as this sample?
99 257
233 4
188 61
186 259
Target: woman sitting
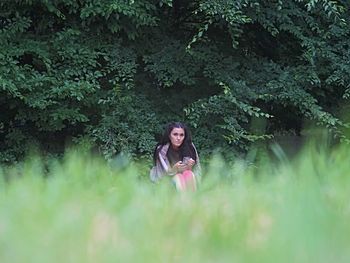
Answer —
176 156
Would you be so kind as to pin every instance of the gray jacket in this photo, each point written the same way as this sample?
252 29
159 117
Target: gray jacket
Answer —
162 167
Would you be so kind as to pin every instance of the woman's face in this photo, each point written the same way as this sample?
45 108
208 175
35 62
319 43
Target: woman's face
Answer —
177 136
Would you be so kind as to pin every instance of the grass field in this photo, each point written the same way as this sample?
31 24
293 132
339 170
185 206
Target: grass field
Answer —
82 209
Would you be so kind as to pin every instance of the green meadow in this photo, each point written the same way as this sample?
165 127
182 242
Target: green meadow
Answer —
83 209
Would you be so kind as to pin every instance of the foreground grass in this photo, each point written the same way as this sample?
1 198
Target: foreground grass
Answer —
88 211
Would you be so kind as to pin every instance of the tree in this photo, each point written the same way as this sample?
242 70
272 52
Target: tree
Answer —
106 70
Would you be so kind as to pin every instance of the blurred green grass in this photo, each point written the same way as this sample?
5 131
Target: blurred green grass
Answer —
83 209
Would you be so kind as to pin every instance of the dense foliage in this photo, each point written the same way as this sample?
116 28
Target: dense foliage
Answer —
114 71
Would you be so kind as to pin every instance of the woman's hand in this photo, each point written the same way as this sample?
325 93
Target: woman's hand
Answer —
190 163
179 167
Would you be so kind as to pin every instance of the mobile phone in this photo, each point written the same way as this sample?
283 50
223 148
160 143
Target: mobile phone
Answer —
186 160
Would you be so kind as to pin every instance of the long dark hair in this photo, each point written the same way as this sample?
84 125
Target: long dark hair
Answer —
186 148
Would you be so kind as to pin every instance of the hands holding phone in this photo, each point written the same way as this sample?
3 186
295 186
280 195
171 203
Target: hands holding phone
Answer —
186 164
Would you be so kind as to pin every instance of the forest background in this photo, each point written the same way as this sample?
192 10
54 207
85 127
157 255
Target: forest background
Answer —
113 72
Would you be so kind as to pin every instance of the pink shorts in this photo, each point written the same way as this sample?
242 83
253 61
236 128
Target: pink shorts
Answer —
185 181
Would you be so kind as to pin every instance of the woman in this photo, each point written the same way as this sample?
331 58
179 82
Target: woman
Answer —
176 156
